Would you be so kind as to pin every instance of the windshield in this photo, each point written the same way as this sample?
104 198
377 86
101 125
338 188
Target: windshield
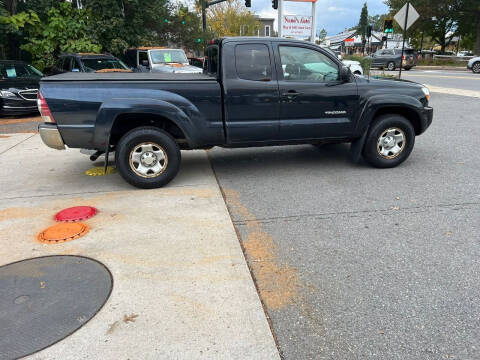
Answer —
92 65
168 56
10 71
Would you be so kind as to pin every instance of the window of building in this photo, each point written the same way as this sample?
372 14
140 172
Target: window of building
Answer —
252 62
267 30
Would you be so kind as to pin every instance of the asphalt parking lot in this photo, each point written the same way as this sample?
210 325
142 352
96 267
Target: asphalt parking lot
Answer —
359 263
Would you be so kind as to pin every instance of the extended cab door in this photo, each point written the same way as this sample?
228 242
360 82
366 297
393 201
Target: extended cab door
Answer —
314 102
251 97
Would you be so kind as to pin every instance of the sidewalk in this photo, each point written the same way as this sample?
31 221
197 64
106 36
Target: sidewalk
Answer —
173 253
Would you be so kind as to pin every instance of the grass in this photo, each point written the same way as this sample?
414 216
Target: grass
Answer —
438 62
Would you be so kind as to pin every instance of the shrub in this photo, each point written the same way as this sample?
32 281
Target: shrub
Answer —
364 62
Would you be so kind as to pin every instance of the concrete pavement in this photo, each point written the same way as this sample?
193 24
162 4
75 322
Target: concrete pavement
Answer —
173 253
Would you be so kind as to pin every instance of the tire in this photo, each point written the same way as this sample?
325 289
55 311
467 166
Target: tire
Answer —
407 68
391 66
383 148
476 67
147 157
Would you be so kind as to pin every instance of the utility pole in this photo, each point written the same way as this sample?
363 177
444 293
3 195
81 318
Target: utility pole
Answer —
280 17
404 36
314 22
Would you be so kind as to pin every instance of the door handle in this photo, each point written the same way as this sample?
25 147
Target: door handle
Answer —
291 93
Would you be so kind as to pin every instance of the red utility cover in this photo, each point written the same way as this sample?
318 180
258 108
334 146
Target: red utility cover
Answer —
76 213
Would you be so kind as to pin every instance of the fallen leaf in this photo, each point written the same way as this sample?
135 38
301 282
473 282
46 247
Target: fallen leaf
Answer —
448 233
395 208
129 318
42 285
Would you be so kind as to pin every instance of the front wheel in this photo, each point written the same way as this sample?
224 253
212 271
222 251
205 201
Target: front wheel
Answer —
147 157
476 68
389 142
391 66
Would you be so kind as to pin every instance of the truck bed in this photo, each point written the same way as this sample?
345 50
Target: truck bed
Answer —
122 76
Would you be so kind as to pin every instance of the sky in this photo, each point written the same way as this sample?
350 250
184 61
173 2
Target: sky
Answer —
332 15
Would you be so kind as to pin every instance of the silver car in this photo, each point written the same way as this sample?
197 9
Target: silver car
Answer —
474 65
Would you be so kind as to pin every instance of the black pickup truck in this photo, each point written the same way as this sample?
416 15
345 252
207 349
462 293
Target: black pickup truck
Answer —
254 92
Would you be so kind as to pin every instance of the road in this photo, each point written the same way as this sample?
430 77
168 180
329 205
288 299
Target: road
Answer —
353 262
465 80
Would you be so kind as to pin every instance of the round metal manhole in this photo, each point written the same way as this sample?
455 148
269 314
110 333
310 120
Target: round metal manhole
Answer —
45 299
76 213
62 232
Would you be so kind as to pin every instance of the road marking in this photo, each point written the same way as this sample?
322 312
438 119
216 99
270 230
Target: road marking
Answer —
453 91
444 76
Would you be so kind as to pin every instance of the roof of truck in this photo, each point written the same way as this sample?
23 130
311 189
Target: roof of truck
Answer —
125 76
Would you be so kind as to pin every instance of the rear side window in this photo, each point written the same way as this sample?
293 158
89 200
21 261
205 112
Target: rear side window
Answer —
211 64
67 64
252 62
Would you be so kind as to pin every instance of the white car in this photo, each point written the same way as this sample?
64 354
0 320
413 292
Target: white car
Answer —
354 66
474 65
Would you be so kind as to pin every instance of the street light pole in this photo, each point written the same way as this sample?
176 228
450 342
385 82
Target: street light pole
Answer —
204 15
314 22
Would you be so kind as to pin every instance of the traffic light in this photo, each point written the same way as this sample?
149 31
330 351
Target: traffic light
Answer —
275 4
199 40
369 31
248 3
388 26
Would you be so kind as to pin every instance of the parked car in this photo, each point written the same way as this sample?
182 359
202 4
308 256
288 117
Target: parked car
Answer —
474 65
160 59
391 59
464 53
18 87
354 66
255 92
86 62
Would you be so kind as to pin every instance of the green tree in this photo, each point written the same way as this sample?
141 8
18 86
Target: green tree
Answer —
363 23
469 23
438 21
322 35
230 18
66 30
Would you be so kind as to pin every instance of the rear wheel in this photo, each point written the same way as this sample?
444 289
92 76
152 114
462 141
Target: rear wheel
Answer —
147 157
389 142
391 66
407 68
476 67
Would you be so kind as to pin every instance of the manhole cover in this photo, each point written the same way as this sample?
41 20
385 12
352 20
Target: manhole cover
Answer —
45 299
62 232
76 213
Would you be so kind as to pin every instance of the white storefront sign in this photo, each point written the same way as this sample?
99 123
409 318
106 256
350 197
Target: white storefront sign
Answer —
297 25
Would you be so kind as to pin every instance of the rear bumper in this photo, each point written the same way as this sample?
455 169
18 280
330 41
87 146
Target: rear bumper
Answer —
426 117
51 136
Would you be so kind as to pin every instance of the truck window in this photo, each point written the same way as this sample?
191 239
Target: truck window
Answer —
211 64
67 63
142 55
252 62
302 64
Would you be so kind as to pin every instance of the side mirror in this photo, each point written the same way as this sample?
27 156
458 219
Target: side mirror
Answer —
145 63
345 74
